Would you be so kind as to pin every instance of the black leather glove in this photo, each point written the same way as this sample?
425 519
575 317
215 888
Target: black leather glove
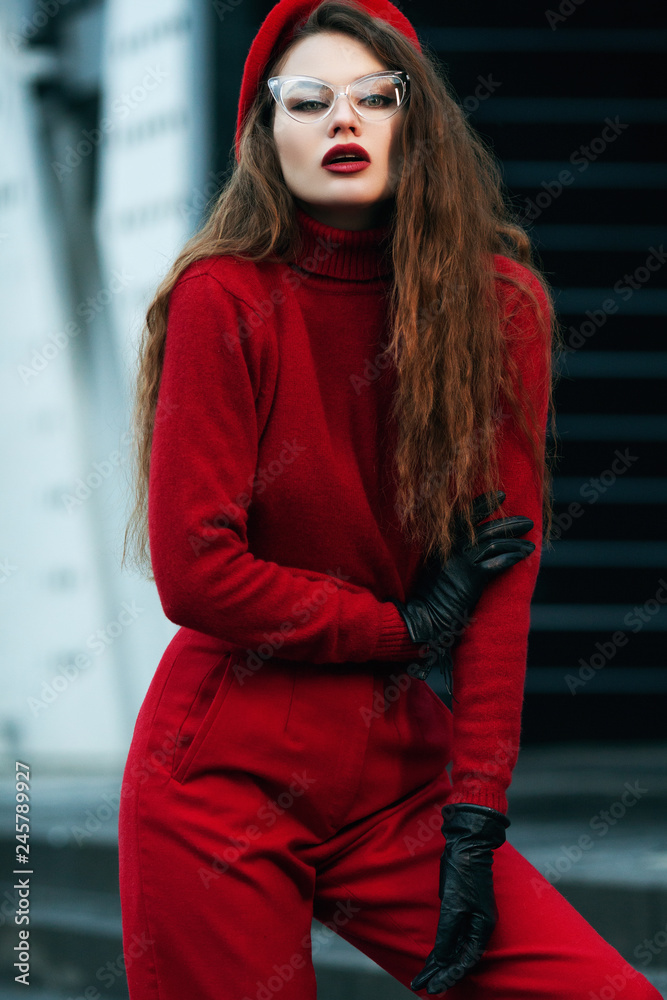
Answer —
446 593
468 911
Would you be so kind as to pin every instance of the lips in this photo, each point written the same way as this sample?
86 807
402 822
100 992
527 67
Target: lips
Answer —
351 148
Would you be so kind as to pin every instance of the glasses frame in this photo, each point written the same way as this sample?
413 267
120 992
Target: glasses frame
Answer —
276 84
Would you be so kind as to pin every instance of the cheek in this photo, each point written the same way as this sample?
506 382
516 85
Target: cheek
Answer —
395 141
294 150
395 153
394 159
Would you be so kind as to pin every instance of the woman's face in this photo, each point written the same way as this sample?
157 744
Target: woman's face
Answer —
344 200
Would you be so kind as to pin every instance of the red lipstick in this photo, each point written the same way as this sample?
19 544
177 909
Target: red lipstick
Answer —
349 158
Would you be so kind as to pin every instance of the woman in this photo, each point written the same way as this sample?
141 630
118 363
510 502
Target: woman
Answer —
318 447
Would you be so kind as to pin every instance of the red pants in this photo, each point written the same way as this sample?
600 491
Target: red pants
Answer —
251 804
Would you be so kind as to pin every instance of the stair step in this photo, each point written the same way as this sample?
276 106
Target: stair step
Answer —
592 110
614 364
590 617
527 40
606 553
584 236
613 678
612 427
629 490
614 176
555 646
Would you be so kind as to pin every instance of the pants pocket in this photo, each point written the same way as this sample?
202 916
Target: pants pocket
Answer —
202 711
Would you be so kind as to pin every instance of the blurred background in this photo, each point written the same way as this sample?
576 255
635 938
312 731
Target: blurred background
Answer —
116 129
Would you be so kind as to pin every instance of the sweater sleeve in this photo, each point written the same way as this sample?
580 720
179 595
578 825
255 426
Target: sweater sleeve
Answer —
490 658
216 387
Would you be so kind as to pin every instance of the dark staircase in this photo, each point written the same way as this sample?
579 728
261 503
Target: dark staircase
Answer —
571 105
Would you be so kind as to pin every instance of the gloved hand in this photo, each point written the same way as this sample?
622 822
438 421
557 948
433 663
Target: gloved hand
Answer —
468 911
446 593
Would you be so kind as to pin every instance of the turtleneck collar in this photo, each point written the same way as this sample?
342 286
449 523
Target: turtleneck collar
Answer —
354 255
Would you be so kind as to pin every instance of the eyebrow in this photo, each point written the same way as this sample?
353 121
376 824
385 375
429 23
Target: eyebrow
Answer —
332 82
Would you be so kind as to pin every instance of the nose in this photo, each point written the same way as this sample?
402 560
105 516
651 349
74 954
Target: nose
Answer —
343 115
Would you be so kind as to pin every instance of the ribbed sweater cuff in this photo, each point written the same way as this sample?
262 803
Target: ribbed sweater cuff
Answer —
487 795
394 642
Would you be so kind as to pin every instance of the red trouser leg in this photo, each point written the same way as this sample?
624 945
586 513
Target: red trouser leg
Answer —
541 948
252 803
208 881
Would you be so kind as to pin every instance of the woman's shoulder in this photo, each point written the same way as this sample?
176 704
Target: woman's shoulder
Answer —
527 320
515 282
244 280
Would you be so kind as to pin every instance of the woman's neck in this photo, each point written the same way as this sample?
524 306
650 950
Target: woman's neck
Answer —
350 254
353 217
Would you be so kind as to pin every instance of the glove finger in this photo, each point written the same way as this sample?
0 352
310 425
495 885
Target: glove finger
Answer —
485 504
422 977
451 928
471 948
445 978
497 546
478 938
506 560
505 527
482 507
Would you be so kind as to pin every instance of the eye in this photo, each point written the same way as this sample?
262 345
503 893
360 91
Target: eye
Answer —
303 105
383 101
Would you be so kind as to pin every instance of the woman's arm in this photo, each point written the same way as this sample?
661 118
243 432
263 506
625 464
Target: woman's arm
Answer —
216 389
490 659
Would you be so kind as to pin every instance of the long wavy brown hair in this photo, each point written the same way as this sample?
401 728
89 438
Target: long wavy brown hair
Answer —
450 214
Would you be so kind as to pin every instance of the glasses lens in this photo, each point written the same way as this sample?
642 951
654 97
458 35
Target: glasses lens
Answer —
307 100
379 97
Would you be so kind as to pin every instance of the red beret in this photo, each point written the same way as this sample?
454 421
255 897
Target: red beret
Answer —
280 23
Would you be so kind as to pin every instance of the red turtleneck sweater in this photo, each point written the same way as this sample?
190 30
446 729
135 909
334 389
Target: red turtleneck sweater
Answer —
271 501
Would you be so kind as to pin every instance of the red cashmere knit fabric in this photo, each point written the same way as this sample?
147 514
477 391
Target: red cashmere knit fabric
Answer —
272 520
